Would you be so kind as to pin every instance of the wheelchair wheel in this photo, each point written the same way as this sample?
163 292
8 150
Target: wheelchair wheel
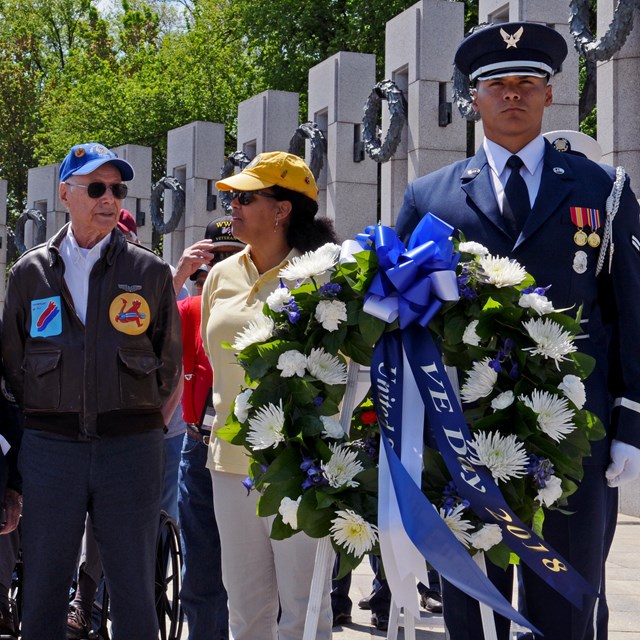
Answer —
168 579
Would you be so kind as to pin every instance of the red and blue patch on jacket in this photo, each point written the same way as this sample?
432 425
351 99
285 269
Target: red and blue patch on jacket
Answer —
46 317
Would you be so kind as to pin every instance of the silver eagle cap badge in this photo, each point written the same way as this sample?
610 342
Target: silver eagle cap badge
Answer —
512 40
130 288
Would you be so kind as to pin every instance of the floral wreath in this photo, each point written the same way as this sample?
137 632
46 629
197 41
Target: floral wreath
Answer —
522 395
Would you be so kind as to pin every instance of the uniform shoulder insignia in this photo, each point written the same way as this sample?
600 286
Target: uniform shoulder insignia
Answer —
635 243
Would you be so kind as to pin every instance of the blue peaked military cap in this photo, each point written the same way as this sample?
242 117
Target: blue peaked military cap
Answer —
511 48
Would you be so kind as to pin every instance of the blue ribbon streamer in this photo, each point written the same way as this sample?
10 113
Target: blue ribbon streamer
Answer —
422 523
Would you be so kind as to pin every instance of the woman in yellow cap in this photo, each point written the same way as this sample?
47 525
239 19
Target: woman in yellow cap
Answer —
274 204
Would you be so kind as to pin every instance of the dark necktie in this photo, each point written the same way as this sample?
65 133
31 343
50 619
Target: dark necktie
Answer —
517 197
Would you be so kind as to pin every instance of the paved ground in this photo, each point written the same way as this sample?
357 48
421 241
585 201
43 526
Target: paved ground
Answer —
623 586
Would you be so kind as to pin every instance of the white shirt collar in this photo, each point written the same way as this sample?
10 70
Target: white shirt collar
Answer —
531 155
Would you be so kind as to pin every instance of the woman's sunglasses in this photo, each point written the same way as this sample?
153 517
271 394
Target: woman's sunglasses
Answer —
98 189
246 197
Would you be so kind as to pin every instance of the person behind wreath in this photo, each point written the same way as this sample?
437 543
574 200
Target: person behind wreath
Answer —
519 197
92 352
273 209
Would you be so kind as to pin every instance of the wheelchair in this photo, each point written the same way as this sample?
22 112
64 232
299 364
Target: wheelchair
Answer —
168 575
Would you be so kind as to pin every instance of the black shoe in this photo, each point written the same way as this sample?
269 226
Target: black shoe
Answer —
431 601
340 618
364 603
380 621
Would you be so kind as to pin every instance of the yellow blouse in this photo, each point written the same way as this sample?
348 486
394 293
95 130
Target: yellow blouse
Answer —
234 293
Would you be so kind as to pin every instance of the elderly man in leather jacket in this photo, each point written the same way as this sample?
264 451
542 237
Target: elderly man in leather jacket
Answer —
92 351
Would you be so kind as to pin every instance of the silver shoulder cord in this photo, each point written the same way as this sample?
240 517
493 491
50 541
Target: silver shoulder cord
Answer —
613 203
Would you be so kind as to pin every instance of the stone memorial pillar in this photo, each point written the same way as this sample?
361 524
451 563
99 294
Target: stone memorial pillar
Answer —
618 97
419 48
619 137
195 156
563 113
338 89
3 239
42 195
137 201
267 122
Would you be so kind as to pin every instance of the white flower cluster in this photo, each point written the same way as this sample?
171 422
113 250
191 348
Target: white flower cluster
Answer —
266 427
279 298
470 336
502 272
312 263
353 532
540 304
330 313
288 509
553 414
342 467
504 456
258 330
480 381
320 364
552 341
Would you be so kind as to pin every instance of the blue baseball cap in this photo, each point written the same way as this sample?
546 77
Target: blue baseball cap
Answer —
512 48
85 158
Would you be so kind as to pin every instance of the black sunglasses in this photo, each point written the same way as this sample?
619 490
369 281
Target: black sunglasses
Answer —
246 197
98 189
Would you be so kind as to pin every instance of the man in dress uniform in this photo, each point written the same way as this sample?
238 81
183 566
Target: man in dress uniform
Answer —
520 197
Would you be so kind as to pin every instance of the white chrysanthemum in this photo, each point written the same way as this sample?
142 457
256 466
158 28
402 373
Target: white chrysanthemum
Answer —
353 532
331 428
330 313
502 401
551 492
502 272
258 330
470 336
504 456
554 416
479 382
552 341
279 298
288 509
489 536
292 363
342 467
540 304
312 263
475 248
242 405
326 368
459 527
266 428
573 388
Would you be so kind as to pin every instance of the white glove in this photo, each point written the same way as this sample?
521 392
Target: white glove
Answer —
625 464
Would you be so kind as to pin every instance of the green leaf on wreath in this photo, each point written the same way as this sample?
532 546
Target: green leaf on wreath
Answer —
280 530
272 494
315 522
500 555
280 469
348 562
309 425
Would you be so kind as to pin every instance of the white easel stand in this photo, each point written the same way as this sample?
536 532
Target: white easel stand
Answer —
324 551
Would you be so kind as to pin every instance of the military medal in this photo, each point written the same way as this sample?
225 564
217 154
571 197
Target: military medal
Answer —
577 217
586 217
594 222
580 238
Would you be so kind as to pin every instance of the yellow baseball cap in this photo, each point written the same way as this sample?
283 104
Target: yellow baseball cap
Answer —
273 168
